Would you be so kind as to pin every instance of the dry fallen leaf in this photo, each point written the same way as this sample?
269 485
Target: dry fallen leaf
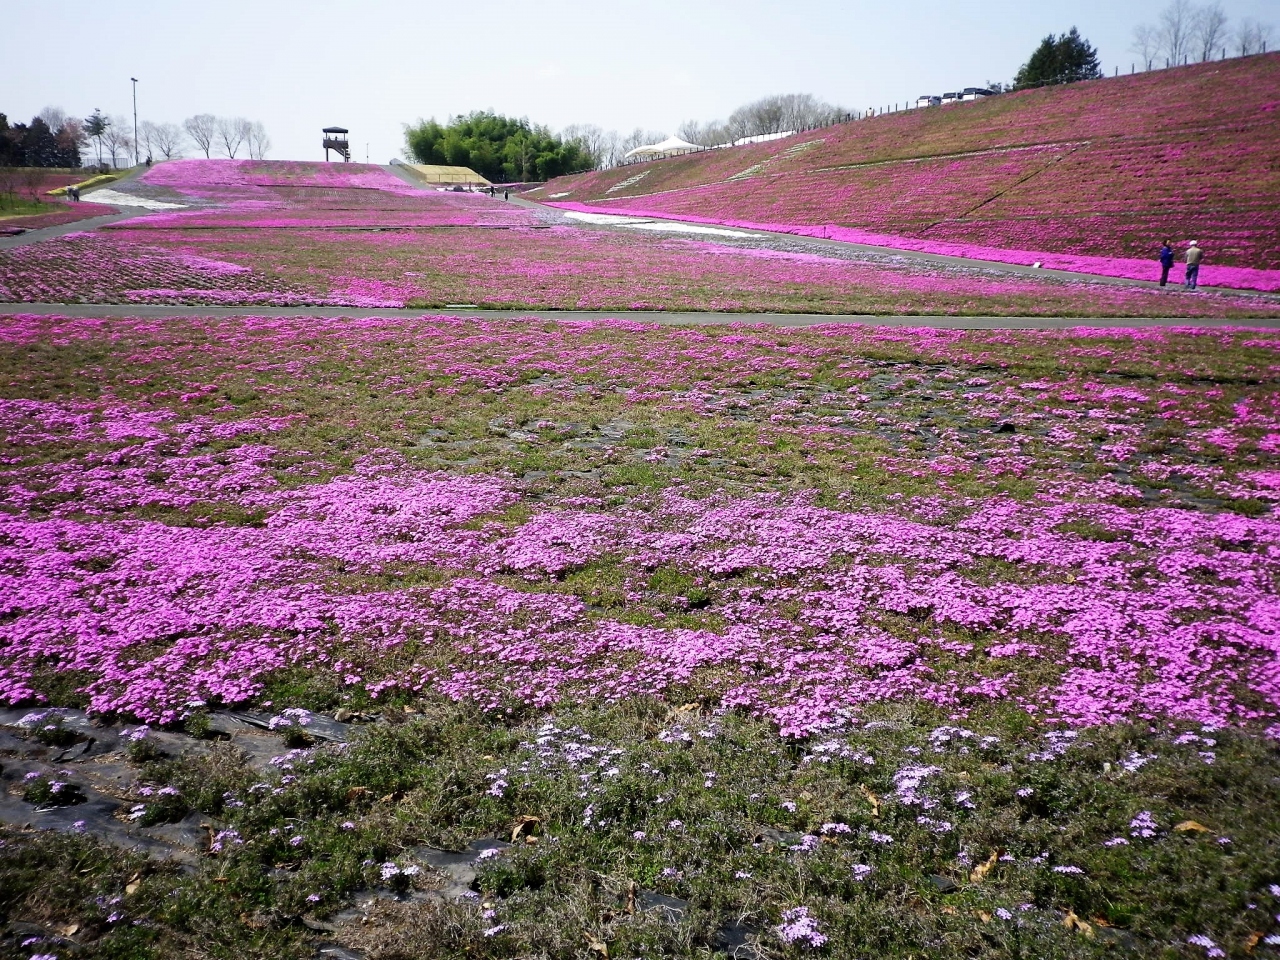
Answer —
984 916
1072 922
949 910
355 793
979 873
1190 826
70 930
595 946
132 887
871 799
631 897
1252 942
525 824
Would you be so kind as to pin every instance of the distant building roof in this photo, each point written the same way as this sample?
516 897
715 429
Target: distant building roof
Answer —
435 173
671 147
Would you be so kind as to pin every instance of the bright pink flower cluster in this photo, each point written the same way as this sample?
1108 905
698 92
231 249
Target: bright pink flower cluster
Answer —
1065 603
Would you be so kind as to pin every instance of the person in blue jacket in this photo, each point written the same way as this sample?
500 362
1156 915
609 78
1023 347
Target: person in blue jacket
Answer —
1166 262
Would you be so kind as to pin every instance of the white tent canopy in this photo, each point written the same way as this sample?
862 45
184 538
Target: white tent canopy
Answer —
671 147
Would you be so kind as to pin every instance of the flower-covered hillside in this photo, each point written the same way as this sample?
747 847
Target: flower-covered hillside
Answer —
1105 168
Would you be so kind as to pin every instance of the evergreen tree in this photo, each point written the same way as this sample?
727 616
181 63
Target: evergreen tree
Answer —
1064 59
7 142
40 148
94 127
496 147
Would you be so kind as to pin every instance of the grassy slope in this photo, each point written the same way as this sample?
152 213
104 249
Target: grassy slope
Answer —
1171 151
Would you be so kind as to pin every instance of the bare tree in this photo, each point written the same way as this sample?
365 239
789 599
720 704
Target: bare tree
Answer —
766 116
232 133
1210 30
202 128
1252 37
1147 42
695 132
611 150
55 117
801 110
10 177
117 139
591 139
161 139
1178 27
257 140
771 115
32 181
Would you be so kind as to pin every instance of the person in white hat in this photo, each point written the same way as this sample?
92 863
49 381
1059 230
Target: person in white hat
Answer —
1194 254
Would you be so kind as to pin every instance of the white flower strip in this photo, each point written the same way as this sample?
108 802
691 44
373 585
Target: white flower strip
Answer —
642 223
116 198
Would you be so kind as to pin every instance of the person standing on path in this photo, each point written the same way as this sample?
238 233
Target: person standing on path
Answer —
1166 262
1194 255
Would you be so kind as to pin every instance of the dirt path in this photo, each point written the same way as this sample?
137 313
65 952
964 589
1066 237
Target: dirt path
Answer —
107 310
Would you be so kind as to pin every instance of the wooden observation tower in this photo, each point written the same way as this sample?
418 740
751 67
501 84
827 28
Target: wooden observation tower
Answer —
335 138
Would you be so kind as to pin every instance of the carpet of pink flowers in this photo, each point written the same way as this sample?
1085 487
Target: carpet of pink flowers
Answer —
299 234
1046 561
1088 177
286 194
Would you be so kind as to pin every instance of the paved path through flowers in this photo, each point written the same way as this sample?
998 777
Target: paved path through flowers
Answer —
661 224
645 316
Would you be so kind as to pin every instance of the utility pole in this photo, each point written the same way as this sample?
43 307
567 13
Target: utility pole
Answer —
135 120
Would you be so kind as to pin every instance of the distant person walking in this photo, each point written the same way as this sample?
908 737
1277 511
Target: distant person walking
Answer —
1194 256
1166 262
506 194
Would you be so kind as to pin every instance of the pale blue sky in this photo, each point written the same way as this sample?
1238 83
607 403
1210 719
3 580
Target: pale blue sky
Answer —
299 65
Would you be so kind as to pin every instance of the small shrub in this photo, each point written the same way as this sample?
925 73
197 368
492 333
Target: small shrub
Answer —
40 792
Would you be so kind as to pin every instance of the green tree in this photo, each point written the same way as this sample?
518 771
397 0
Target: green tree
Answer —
1063 59
8 143
95 127
496 147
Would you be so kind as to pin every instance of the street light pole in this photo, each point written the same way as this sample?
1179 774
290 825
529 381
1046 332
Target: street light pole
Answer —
135 120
